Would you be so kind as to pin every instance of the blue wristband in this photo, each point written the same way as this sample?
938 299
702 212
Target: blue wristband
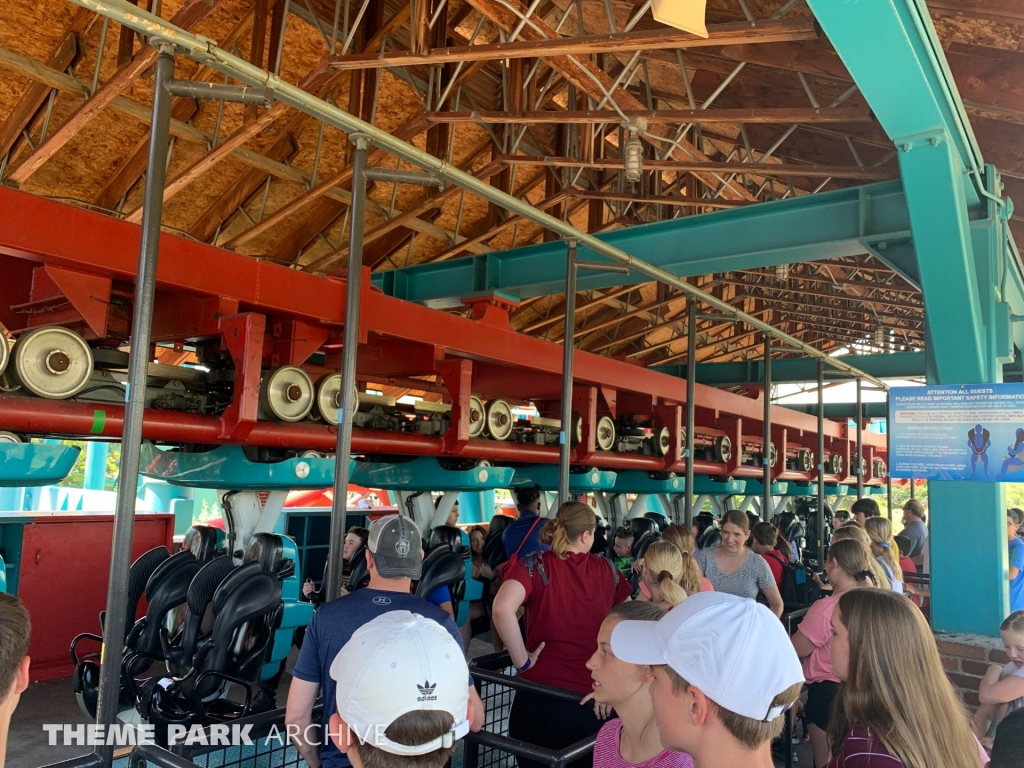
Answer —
525 666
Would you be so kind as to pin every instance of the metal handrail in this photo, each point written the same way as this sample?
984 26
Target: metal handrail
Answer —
206 51
486 669
90 760
556 758
151 754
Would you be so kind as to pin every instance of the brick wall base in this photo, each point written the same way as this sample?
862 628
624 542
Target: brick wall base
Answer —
966 658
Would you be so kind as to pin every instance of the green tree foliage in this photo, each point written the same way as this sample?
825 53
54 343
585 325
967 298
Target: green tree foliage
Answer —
76 478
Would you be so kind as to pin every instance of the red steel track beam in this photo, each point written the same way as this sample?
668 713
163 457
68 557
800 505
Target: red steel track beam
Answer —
95 244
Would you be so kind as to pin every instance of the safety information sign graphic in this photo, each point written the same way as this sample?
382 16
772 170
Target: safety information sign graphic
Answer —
969 432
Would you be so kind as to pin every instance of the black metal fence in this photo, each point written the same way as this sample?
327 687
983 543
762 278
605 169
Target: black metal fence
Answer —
492 747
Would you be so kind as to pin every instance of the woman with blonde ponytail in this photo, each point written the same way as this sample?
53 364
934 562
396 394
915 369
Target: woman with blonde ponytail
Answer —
662 572
884 548
848 566
858 534
565 593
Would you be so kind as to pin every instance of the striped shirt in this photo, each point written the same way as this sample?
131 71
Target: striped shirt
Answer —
862 750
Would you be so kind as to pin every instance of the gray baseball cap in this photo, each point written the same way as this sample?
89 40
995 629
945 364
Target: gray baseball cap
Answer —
395 542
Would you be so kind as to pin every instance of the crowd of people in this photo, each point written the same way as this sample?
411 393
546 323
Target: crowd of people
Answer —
697 670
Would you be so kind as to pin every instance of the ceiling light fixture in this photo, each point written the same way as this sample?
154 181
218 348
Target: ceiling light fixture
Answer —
880 336
687 15
633 151
782 272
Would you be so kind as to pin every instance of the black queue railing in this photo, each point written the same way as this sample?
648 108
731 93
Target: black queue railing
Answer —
492 747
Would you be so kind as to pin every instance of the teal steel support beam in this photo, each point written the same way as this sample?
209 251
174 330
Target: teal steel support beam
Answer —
900 365
95 466
962 268
842 410
829 225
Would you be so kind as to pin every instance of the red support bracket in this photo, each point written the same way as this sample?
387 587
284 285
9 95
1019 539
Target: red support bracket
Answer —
59 296
492 309
179 316
292 341
458 377
779 435
243 336
671 416
733 427
847 448
584 402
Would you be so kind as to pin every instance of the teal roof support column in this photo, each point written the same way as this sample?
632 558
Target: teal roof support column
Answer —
911 92
476 507
95 466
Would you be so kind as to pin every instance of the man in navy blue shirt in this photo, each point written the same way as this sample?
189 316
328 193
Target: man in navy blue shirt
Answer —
528 525
394 559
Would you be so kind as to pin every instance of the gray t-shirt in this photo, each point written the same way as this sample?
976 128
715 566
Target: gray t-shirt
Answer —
753 576
917 532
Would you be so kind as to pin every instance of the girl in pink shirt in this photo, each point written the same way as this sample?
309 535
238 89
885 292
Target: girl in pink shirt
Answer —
630 740
848 567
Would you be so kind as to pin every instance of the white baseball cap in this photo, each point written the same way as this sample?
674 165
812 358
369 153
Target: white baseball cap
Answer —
734 650
398 663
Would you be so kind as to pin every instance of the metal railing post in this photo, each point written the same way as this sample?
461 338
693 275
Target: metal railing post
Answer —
569 346
858 461
346 408
691 405
766 453
888 454
821 465
131 437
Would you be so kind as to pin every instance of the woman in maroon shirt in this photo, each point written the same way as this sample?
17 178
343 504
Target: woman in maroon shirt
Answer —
896 708
566 593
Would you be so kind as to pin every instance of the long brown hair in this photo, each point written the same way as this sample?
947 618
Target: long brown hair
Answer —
737 518
895 685
572 520
855 560
858 534
880 531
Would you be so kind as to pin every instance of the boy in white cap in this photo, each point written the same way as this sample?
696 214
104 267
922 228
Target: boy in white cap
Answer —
402 700
394 558
725 672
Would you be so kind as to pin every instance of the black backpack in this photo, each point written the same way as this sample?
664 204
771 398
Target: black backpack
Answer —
795 587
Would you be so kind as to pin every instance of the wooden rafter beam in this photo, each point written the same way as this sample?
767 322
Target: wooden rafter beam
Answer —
763 291
1005 11
592 80
752 169
485 233
241 190
181 109
406 131
677 201
126 176
400 218
63 54
782 115
559 316
783 30
318 82
894 287
41 73
193 12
